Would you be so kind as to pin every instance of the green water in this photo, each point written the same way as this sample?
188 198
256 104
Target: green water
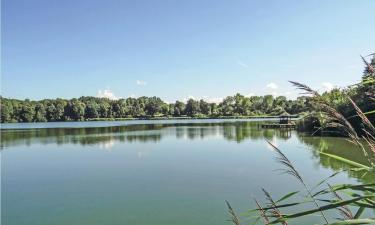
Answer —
153 173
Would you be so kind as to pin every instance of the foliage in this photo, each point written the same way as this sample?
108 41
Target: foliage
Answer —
340 101
92 108
349 200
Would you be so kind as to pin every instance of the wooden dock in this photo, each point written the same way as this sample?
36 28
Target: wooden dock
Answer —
278 126
285 122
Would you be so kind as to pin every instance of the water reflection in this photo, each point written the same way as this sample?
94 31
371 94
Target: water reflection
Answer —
106 138
340 147
139 133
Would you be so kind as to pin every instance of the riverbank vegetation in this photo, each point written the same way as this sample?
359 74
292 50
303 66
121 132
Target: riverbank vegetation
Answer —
349 112
324 107
92 108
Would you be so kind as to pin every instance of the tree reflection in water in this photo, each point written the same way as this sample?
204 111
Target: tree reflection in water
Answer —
106 137
139 133
340 147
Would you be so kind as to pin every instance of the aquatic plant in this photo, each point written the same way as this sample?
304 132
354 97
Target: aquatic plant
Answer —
349 200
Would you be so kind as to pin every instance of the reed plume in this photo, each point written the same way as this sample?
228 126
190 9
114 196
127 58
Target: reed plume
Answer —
291 170
233 216
274 209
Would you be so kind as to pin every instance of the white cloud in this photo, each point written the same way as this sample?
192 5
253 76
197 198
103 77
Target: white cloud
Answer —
272 86
205 98
106 94
275 94
189 97
214 100
327 86
242 64
141 82
288 93
250 94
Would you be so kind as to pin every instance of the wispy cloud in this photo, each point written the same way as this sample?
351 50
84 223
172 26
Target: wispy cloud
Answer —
106 93
141 82
272 86
242 64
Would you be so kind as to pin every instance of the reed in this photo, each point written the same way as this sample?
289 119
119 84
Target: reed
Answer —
356 197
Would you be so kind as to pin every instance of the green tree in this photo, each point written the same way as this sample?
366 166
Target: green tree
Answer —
171 109
105 109
267 103
227 106
60 105
50 111
281 101
119 108
179 108
91 110
27 112
214 109
6 110
192 107
75 110
153 106
205 107
40 113
92 107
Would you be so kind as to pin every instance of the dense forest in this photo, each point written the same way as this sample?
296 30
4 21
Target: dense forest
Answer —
91 108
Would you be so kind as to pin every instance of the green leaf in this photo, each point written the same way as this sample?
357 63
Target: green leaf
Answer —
278 206
348 161
322 208
359 212
287 196
361 187
324 181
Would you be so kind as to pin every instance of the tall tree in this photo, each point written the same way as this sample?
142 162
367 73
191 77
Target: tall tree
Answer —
40 113
205 107
6 110
91 110
75 110
192 107
27 112
179 108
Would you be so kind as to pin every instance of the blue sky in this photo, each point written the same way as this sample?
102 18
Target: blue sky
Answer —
176 49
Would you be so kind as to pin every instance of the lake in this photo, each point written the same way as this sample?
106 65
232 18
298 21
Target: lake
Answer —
154 172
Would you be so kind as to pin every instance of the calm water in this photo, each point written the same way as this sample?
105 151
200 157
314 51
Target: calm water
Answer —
154 172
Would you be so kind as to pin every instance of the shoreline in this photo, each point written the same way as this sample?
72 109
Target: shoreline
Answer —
137 121
157 118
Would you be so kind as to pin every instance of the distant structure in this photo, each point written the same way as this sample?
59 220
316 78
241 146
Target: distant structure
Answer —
285 122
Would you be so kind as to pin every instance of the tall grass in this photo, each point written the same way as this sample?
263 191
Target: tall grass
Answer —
350 201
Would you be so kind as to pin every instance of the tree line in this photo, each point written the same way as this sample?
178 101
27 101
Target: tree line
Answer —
91 108
362 94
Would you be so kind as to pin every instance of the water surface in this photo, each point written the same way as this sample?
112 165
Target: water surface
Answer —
155 172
